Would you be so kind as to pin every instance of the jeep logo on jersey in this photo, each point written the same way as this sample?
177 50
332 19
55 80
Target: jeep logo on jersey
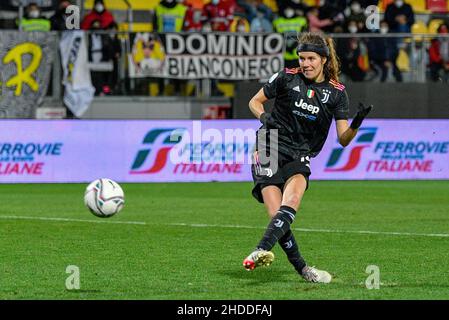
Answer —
303 105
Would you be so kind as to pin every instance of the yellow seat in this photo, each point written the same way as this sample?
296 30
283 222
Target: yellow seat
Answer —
419 27
121 5
136 27
419 6
311 3
227 88
434 24
271 4
403 61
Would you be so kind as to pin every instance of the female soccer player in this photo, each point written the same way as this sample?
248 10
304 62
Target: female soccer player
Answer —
306 100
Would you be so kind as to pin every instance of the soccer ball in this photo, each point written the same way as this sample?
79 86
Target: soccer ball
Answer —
104 198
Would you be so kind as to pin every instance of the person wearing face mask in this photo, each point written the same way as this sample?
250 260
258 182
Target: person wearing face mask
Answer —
333 10
192 21
291 25
33 21
260 23
58 20
399 16
240 25
315 23
382 52
220 14
352 54
98 13
299 6
356 13
169 16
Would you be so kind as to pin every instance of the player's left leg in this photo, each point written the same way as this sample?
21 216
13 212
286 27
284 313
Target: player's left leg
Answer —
279 228
272 198
293 192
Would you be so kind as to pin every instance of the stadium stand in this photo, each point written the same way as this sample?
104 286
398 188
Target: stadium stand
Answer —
419 6
433 25
437 6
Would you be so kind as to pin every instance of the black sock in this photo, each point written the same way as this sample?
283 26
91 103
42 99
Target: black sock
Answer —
290 247
277 227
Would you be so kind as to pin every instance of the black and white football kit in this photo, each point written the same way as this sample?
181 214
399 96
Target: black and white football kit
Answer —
304 110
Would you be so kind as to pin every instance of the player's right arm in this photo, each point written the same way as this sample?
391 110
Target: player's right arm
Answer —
256 103
270 90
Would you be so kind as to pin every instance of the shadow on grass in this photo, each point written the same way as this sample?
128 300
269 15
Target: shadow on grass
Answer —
260 276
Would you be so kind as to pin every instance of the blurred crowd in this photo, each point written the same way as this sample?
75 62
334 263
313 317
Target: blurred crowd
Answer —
362 58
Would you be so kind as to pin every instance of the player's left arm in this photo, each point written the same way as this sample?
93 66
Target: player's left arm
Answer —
346 132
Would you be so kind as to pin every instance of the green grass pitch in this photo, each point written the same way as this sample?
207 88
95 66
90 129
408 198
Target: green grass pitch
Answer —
187 241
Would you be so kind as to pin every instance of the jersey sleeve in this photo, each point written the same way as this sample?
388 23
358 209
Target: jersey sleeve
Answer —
274 85
342 106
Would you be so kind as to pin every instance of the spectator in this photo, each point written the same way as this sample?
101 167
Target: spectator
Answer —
169 16
192 21
439 56
116 50
33 21
352 53
355 13
300 8
260 23
383 53
251 8
98 13
101 50
291 25
399 16
219 14
333 10
58 20
315 23
240 25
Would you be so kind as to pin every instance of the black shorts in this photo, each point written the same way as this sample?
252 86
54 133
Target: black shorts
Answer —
288 166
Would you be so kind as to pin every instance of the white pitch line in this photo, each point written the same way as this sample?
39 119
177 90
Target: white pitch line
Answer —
200 225
70 220
444 235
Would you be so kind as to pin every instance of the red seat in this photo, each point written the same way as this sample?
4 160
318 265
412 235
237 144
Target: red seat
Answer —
437 5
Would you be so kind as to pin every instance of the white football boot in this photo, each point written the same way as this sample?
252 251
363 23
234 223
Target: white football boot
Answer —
312 274
258 258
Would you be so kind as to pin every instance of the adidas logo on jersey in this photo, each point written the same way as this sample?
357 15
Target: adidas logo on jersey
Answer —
303 105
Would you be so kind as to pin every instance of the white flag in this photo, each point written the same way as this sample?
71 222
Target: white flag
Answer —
79 91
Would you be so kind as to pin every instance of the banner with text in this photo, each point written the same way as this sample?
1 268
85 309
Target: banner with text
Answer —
227 56
211 150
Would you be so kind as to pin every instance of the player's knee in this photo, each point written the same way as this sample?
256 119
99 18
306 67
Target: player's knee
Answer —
292 201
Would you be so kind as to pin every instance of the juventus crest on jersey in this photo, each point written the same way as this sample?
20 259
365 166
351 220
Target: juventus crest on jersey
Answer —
305 109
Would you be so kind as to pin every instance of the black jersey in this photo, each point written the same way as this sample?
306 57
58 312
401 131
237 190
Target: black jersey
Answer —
305 110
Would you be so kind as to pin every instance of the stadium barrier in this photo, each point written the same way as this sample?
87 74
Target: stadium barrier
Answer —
216 150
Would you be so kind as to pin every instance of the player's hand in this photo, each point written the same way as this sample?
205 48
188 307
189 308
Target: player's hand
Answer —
268 121
360 115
